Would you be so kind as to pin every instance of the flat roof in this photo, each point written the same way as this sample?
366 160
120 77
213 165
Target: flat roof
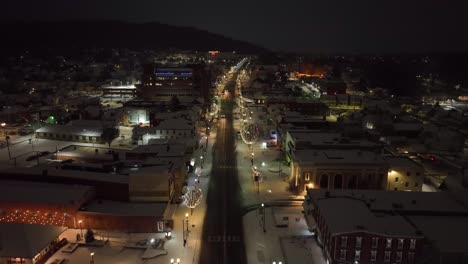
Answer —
52 171
447 233
402 162
360 218
93 128
342 156
126 209
409 203
176 124
19 240
41 193
166 150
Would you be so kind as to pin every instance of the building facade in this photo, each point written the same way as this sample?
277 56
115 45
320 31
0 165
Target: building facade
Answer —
338 169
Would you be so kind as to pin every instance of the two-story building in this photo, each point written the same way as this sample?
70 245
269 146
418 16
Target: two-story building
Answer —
338 169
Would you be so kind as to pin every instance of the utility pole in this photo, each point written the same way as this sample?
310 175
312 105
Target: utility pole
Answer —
7 138
262 213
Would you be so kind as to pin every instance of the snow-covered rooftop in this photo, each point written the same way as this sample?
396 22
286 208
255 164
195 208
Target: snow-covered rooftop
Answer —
343 156
126 209
41 193
26 240
92 128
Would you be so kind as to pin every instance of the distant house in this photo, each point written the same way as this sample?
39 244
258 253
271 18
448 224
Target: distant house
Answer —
404 174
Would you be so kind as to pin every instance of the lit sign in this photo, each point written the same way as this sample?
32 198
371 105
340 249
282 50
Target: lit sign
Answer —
213 52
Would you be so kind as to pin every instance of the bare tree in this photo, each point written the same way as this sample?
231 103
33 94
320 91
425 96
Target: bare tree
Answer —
193 197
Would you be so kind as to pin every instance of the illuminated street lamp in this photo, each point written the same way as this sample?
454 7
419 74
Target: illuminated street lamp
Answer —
92 257
168 233
81 228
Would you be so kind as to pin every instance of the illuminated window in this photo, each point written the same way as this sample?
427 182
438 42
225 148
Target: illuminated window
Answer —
375 242
358 242
357 255
412 243
400 243
307 176
373 255
388 243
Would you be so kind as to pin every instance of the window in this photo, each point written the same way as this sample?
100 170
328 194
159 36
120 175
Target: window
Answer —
396 179
373 255
307 176
358 242
406 184
411 257
388 244
396 189
387 256
343 254
375 242
416 184
357 255
344 241
412 244
399 256
400 243
417 173
408 173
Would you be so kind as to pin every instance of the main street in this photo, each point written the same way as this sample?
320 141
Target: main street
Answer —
223 240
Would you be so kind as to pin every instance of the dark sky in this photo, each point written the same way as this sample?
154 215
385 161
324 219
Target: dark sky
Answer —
290 25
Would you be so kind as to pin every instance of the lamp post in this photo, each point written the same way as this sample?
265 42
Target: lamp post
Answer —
186 221
81 228
262 210
7 138
92 257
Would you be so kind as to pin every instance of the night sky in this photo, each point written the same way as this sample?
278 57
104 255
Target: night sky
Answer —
293 25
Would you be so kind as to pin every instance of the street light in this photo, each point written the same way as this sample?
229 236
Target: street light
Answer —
92 257
168 233
81 229
263 216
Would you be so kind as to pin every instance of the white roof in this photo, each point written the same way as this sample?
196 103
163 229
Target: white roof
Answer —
342 156
360 218
407 202
166 150
25 240
92 128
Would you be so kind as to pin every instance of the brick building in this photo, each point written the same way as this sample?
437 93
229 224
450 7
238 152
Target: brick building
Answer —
365 226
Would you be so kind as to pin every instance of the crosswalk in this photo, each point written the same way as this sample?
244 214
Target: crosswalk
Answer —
226 167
